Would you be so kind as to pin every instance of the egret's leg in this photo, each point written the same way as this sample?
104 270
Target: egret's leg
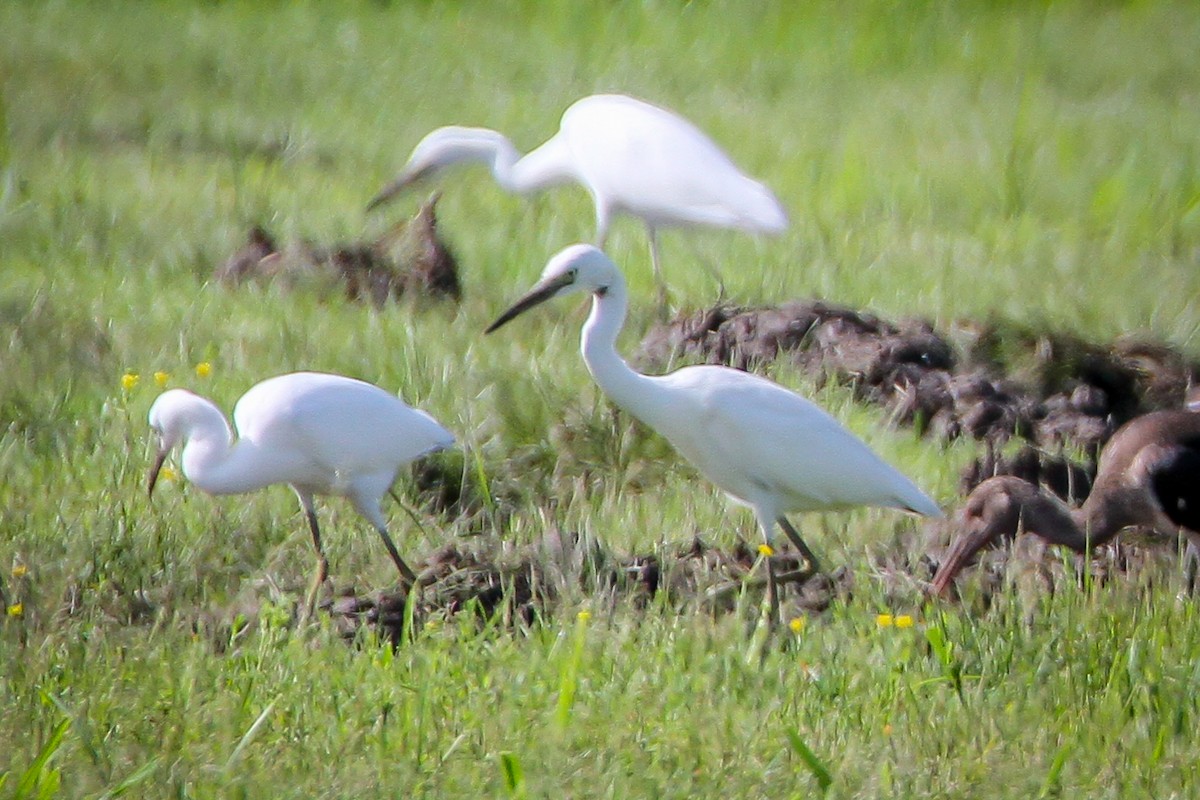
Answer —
322 573
813 566
772 592
370 510
405 572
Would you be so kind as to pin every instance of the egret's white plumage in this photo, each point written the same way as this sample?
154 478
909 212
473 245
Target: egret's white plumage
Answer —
765 446
633 157
319 433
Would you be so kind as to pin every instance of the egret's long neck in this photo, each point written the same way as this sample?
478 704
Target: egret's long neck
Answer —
632 391
211 460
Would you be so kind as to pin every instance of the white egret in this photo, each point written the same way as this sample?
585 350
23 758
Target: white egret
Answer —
633 157
767 447
319 433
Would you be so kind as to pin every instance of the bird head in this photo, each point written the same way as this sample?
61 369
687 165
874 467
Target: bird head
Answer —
443 147
168 419
578 268
992 512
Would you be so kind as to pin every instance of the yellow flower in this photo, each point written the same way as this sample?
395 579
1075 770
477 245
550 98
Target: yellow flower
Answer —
161 378
766 550
203 369
168 474
19 570
797 624
904 621
129 380
887 730
884 620
16 610
583 616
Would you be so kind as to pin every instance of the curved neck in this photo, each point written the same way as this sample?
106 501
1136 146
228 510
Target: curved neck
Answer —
548 165
1100 518
632 391
1108 509
211 459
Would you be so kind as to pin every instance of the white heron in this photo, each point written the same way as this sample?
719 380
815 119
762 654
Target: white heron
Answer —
633 157
765 446
319 433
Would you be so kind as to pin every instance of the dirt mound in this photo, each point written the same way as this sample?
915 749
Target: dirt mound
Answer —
990 380
411 257
494 583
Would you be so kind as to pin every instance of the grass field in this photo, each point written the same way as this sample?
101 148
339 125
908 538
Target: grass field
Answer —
1033 162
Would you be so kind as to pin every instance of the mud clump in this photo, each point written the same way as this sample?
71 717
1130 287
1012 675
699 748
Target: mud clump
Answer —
516 587
410 258
989 381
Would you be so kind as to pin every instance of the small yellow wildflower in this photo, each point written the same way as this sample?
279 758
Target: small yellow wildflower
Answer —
161 378
16 610
884 620
887 730
583 616
168 474
19 570
130 380
904 621
766 550
203 369
797 624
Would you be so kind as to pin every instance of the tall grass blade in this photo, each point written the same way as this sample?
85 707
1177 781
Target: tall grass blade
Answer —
36 776
514 776
249 735
814 764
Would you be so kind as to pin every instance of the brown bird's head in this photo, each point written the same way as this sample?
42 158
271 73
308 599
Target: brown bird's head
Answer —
997 510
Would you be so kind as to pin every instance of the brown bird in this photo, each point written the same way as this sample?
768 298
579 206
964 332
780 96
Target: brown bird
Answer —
1149 474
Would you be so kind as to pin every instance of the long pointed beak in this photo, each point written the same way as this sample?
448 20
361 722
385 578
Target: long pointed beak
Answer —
536 296
959 554
402 182
154 470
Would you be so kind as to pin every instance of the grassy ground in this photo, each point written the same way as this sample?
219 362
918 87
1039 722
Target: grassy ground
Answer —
946 160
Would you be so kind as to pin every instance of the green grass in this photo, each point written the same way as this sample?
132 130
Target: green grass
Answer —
1029 161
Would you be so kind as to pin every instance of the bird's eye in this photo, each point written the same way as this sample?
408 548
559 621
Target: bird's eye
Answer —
573 273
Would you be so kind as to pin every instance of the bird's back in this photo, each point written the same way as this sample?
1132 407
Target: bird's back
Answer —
343 424
650 162
752 437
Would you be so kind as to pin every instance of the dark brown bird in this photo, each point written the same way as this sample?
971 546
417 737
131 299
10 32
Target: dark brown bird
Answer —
1149 474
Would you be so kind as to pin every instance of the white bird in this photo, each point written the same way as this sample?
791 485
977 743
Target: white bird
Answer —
633 157
767 447
321 434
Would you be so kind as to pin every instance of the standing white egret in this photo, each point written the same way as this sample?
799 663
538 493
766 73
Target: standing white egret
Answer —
319 433
765 446
633 157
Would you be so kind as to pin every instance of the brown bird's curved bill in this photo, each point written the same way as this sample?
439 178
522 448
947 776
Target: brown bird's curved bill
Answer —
536 296
963 549
154 470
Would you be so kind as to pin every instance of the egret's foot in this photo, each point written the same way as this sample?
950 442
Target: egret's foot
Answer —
797 576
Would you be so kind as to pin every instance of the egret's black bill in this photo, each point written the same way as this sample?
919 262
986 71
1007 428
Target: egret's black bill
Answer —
538 295
154 470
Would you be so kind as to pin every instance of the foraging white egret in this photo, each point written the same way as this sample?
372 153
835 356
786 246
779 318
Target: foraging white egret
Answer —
633 157
765 446
1149 474
319 433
